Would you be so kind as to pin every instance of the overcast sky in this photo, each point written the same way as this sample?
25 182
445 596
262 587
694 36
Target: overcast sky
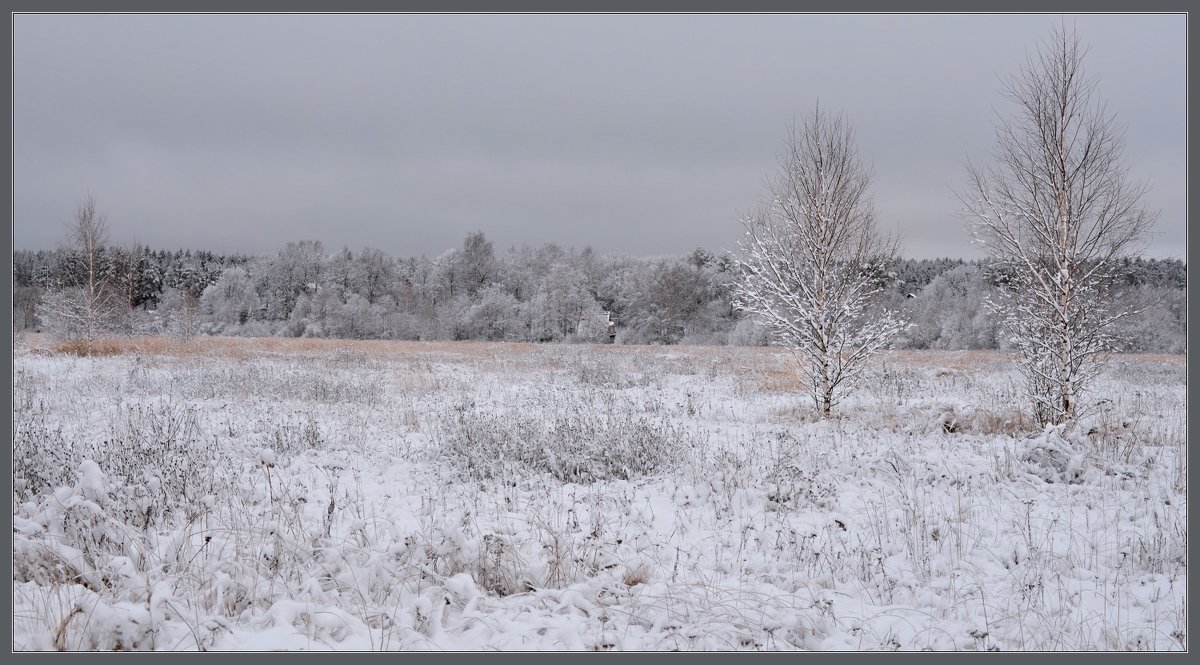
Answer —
638 134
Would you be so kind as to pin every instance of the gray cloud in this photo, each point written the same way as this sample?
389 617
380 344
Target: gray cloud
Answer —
642 134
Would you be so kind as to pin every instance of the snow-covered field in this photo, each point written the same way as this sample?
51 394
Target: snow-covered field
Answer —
294 494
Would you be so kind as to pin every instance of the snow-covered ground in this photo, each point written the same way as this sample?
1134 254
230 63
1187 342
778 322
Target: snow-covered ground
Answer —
268 494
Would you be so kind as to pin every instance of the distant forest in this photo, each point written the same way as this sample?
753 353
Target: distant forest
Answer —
526 294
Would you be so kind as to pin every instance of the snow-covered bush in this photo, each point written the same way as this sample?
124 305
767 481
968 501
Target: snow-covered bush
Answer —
749 333
1053 456
575 437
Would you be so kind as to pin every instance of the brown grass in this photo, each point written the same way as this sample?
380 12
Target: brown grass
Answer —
60 633
775 365
780 378
240 346
962 361
244 347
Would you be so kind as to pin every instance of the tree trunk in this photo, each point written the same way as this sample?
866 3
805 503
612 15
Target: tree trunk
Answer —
826 391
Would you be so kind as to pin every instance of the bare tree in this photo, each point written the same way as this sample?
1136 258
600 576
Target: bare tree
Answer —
182 310
85 307
477 262
813 262
1059 209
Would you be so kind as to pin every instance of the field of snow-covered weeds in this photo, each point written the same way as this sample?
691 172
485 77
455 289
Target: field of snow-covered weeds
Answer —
266 494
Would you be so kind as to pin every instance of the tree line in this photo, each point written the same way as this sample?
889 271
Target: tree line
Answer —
522 294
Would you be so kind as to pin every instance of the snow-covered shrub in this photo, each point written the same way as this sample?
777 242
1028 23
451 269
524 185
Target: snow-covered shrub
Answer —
42 457
1053 456
289 439
160 465
749 333
610 373
349 356
572 438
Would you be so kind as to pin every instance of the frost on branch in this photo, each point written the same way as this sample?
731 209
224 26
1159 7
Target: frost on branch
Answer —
813 265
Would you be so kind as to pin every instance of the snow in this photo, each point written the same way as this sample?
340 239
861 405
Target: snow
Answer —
91 481
314 500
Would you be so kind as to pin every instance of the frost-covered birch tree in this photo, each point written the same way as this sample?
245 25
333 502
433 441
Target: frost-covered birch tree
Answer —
85 308
1059 209
813 263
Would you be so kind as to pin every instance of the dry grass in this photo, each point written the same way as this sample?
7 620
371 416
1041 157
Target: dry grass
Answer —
775 366
779 379
244 347
1172 359
963 361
